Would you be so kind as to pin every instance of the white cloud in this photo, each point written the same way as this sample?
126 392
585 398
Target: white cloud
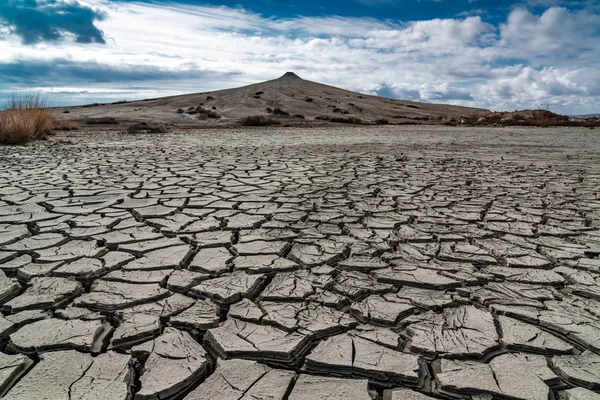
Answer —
558 32
549 57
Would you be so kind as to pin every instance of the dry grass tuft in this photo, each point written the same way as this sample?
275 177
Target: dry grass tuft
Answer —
25 120
14 128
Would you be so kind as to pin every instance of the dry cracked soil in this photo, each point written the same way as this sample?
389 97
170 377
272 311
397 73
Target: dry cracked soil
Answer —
355 264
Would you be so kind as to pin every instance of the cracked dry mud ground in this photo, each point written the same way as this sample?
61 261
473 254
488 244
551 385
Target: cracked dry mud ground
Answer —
386 263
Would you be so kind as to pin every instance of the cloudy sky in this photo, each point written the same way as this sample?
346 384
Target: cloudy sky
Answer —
495 54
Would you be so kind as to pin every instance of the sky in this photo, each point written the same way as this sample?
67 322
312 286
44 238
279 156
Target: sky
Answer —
495 54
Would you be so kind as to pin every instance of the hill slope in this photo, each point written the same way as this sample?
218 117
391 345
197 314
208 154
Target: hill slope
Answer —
290 94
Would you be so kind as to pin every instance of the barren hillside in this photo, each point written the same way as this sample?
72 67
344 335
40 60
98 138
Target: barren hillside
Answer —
289 99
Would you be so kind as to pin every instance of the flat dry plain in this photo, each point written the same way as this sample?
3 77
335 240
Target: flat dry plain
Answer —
349 263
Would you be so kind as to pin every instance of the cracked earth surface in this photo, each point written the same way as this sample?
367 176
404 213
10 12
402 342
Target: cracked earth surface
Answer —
355 263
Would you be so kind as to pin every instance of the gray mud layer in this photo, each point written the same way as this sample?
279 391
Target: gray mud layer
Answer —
352 263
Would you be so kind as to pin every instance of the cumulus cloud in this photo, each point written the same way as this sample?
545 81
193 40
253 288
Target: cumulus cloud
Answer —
557 32
532 56
36 21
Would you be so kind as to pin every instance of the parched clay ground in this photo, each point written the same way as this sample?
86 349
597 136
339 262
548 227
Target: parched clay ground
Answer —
352 264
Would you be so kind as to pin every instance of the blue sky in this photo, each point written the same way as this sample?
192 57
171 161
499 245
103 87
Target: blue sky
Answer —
501 55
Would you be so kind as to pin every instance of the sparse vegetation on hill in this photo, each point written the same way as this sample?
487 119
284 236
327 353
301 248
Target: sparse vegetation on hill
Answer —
203 113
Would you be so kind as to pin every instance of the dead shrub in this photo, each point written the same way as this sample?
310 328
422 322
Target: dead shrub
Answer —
148 127
382 121
101 121
65 125
258 120
279 111
341 120
25 119
204 113
212 114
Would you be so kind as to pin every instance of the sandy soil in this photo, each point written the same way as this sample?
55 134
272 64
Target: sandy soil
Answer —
560 145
